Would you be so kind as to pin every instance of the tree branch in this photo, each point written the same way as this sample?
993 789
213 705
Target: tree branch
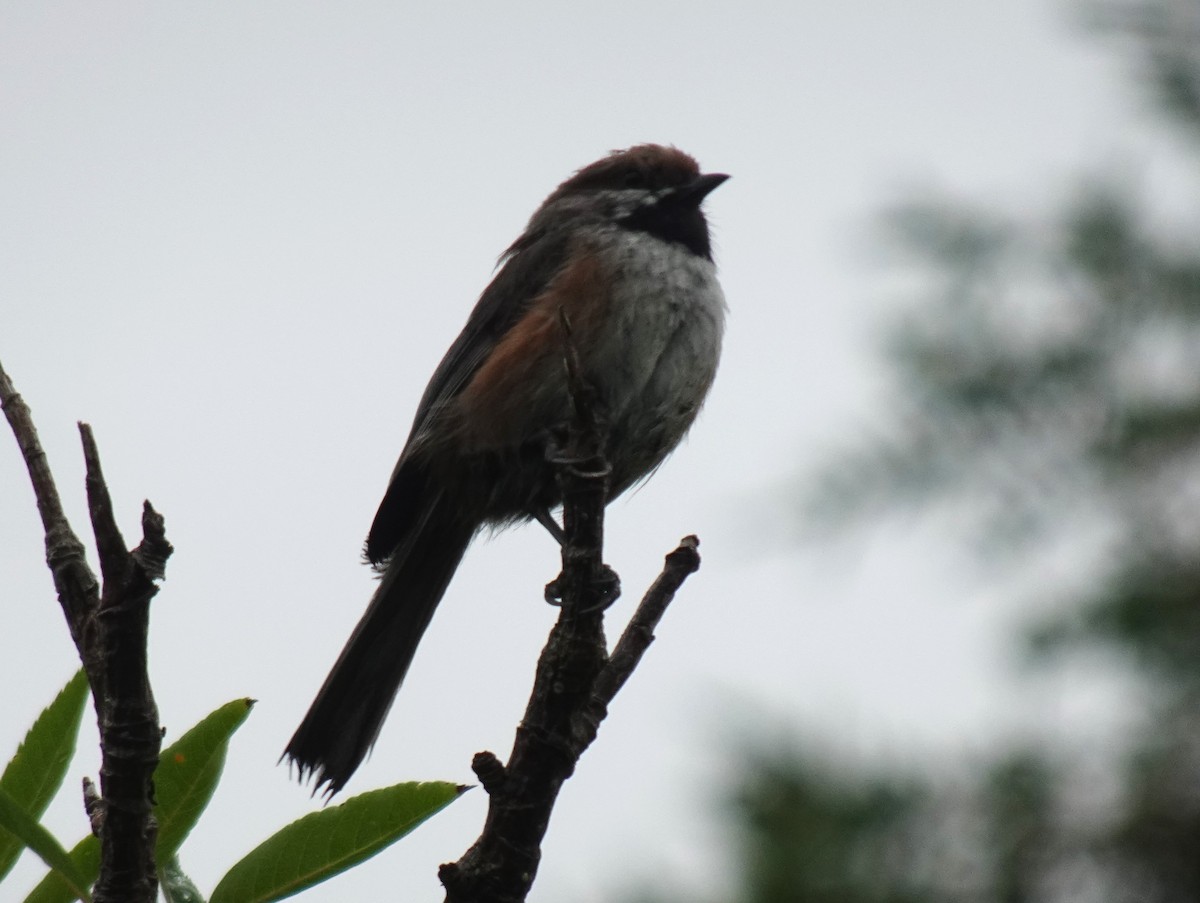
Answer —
109 624
638 635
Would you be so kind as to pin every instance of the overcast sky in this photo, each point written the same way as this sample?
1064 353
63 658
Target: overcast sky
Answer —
237 238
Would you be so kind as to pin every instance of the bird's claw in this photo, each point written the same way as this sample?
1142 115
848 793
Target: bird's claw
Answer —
606 582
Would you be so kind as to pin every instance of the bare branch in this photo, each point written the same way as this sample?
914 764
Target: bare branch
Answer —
638 635
110 626
77 587
114 557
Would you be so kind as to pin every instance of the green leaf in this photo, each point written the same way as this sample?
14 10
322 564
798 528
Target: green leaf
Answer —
322 844
187 774
35 773
177 887
85 855
16 820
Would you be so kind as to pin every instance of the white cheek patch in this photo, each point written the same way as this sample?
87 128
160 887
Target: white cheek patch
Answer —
627 203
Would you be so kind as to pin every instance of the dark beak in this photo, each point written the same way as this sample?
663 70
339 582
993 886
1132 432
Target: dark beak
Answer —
700 187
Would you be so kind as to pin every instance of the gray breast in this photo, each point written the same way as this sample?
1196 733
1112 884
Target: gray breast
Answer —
657 365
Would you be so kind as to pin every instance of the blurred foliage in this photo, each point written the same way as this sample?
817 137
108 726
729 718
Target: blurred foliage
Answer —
815 832
845 838
1047 380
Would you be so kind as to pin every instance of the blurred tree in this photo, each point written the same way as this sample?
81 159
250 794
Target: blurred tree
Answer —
844 839
1048 381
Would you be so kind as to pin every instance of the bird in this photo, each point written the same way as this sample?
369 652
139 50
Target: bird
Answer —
621 251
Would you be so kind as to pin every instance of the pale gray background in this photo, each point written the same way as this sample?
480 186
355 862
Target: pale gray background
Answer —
237 238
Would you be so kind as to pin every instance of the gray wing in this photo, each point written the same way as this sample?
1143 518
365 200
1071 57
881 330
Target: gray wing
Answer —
529 266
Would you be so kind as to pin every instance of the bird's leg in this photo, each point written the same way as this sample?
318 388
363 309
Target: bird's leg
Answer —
562 451
546 519
606 579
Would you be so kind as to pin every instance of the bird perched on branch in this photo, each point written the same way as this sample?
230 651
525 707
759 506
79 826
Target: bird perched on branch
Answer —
621 251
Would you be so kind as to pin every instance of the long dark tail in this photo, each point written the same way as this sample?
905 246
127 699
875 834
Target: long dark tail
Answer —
345 718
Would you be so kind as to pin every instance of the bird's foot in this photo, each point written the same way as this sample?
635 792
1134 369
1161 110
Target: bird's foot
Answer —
607 587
